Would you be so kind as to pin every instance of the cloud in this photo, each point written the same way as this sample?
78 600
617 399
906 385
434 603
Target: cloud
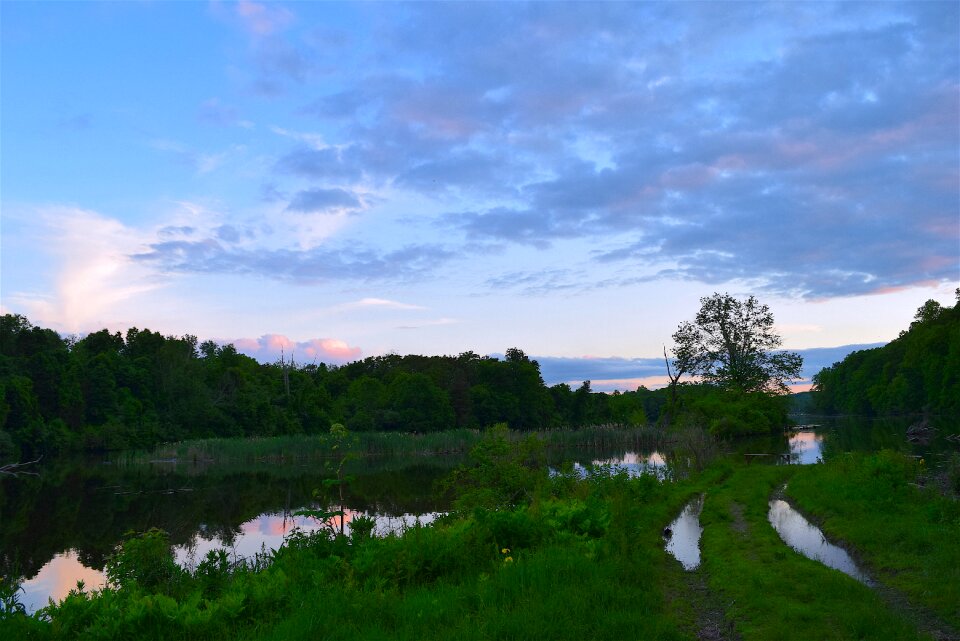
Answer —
379 303
269 348
301 266
92 272
327 163
312 201
809 149
201 162
263 19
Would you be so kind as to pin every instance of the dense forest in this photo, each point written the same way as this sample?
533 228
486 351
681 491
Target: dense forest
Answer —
917 372
109 391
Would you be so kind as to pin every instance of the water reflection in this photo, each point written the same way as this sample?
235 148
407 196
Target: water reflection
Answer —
683 535
806 447
263 534
808 540
632 463
268 531
57 578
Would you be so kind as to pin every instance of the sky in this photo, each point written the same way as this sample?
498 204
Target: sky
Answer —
349 180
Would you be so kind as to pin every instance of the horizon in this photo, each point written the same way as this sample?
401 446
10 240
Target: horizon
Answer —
570 179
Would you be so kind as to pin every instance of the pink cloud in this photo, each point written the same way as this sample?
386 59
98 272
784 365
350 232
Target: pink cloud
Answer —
269 348
261 19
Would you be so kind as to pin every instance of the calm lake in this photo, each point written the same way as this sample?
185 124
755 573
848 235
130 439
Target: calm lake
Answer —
59 527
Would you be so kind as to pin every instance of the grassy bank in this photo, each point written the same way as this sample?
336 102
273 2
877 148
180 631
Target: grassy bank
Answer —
909 535
774 592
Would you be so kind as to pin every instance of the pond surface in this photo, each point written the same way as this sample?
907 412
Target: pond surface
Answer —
60 527
808 540
683 535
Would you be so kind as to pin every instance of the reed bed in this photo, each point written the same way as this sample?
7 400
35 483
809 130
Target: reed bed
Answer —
303 448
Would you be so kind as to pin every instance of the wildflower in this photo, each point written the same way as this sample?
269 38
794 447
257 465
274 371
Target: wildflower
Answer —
505 551
509 559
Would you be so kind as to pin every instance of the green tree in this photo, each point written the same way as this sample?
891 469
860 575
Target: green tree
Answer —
731 344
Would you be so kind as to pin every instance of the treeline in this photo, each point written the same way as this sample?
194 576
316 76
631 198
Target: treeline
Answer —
917 372
114 391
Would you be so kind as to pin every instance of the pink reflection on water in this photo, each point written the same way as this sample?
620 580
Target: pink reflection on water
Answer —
57 578
806 448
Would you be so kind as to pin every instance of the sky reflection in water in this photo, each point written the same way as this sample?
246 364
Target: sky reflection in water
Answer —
808 540
261 534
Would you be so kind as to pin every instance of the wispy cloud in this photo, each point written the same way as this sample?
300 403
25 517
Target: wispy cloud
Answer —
263 19
92 271
379 303
323 200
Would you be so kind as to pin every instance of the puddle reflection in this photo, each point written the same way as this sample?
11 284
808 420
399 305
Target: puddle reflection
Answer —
683 535
808 540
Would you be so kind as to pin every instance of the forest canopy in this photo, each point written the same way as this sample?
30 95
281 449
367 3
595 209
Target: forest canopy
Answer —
919 371
111 391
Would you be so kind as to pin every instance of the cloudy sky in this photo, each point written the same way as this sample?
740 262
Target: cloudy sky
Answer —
348 180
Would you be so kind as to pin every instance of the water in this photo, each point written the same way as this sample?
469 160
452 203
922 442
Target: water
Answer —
829 436
631 463
806 447
808 540
262 534
60 527
683 535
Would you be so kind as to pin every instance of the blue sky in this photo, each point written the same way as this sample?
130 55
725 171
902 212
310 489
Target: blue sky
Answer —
348 180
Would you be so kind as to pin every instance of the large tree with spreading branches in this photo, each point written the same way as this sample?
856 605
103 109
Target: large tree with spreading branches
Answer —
732 344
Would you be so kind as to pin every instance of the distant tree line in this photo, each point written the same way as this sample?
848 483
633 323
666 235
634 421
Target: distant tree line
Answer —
917 372
113 391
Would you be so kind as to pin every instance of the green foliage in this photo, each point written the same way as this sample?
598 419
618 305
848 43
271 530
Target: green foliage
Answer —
10 604
144 561
731 344
110 391
727 413
917 372
500 473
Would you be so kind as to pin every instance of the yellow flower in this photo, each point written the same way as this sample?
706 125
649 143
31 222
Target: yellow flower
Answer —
509 559
505 551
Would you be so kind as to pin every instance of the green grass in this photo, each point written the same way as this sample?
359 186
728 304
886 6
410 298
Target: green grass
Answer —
909 536
773 592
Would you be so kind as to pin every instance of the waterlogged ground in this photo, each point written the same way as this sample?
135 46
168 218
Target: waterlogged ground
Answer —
60 527
809 540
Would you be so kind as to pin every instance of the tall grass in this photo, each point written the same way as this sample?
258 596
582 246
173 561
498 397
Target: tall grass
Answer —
306 448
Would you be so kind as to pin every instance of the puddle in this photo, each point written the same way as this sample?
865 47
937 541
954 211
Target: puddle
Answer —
683 535
808 540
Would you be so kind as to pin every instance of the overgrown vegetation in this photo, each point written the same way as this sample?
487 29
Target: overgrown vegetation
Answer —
566 555
525 555
917 372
